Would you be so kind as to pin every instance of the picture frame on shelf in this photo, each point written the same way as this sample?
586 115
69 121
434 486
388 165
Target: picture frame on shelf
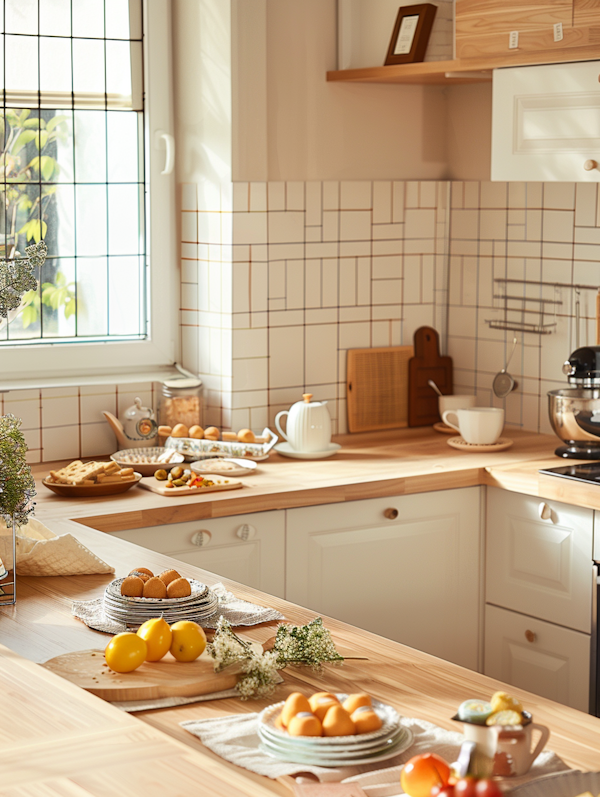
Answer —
411 34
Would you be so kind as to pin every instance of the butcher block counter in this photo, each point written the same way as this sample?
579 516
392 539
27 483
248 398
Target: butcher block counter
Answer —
371 465
60 740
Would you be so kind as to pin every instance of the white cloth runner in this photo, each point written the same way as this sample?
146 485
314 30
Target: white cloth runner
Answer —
235 739
41 552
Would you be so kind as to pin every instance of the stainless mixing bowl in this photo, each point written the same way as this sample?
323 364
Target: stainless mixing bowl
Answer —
575 418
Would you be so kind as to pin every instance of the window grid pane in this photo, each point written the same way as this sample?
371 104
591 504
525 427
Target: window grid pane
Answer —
73 167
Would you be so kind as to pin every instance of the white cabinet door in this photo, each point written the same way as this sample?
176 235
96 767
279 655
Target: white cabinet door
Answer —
413 578
543 658
246 548
541 567
546 122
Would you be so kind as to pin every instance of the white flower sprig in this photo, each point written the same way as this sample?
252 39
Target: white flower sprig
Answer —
309 644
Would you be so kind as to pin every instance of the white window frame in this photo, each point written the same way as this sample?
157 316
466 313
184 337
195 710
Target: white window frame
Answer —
161 348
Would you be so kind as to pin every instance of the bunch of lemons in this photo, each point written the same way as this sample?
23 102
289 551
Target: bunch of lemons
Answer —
126 652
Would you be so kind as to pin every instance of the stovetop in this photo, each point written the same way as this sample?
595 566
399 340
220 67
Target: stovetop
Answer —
587 472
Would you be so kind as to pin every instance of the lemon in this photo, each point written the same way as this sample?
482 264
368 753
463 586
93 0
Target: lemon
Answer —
502 701
189 640
125 652
506 717
158 637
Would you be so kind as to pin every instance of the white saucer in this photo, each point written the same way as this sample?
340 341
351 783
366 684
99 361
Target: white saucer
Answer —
288 451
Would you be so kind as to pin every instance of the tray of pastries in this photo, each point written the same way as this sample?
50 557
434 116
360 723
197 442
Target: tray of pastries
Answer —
86 479
196 442
140 595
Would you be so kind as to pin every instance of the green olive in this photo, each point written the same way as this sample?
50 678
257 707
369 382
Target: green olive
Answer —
179 482
177 472
160 474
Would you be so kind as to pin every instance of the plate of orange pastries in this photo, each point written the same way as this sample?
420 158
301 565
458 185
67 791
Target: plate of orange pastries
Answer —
86 479
332 729
137 597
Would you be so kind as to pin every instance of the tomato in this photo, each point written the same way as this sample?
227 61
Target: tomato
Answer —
487 788
125 652
422 773
158 638
465 787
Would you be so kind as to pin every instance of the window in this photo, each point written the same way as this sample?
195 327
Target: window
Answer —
79 145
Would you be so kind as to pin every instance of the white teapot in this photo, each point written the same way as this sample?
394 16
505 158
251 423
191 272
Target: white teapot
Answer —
308 425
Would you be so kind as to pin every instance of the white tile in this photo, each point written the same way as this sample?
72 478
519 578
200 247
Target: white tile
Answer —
398 201
355 335
533 225
585 204
188 196
286 227
189 271
313 203
92 406
251 374
419 223
320 353
258 287
457 192
258 196
412 194
277 279
492 224
516 195
294 284
558 225
355 195
559 196
208 195
347 274
329 282
586 252
286 360
286 251
420 246
250 343
189 296
312 274
27 409
363 281
325 249
313 234
387 267
472 193
276 304
286 318
587 235
250 398
226 197
240 419
209 227
381 333
189 348
259 418
324 315
534 192
250 228
97 439
241 287
382 202
493 195
60 443
189 226
464 224
276 196
62 411
331 196
354 314
258 320
241 197
355 248
331 226
355 225
428 194
294 196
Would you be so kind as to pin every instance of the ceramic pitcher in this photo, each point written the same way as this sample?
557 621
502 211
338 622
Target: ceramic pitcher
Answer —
508 750
308 425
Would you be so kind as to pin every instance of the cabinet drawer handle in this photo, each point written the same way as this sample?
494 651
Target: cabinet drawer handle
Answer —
530 636
201 538
590 164
246 532
391 513
545 511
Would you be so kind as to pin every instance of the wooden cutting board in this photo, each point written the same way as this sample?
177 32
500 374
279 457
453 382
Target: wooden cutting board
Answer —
425 365
165 678
220 483
377 388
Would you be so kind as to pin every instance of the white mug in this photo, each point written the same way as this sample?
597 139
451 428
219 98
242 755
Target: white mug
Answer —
455 402
477 425
505 751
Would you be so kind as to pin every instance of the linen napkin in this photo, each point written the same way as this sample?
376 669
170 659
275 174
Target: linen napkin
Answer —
235 739
41 552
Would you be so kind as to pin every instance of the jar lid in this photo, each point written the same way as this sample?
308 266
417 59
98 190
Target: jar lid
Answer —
182 382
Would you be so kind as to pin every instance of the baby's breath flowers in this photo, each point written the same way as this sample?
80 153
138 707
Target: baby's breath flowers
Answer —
309 644
17 485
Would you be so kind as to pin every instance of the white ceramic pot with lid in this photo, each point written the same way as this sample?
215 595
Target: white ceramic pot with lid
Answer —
308 425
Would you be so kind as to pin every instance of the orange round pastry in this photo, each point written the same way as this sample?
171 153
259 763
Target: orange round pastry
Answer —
142 570
154 588
295 703
144 576
212 433
366 720
304 724
321 703
179 588
169 575
132 587
352 702
337 722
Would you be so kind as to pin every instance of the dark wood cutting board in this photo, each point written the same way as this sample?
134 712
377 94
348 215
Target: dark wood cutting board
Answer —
425 365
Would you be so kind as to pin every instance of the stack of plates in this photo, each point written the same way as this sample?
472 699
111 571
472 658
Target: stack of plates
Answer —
335 751
135 611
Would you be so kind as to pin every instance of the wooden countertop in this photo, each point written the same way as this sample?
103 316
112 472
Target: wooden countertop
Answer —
368 466
74 743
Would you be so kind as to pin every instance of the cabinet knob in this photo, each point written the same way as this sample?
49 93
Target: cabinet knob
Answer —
590 164
201 538
246 532
391 513
545 512
530 636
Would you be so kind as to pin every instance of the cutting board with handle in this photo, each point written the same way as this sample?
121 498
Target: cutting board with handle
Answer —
425 365
220 483
377 388
154 679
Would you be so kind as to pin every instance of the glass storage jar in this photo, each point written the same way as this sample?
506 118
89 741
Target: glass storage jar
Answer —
181 401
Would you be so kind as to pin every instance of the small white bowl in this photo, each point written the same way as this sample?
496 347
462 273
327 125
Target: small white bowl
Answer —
146 460
220 466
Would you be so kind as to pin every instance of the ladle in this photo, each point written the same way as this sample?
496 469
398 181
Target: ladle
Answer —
503 382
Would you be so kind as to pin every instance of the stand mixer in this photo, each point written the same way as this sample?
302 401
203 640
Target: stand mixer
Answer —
575 411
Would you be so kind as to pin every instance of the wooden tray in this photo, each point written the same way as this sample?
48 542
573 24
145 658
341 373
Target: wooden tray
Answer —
377 388
425 365
166 678
220 483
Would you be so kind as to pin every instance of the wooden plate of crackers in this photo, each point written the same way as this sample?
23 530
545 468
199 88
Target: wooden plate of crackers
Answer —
89 479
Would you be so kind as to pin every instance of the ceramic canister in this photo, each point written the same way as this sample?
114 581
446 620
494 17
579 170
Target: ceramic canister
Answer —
308 425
